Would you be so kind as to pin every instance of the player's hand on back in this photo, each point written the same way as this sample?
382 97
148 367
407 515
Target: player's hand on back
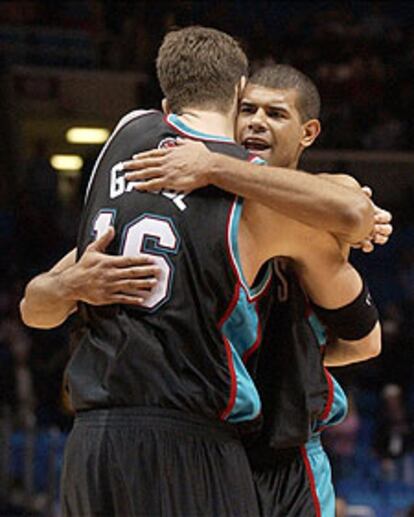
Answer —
182 168
101 279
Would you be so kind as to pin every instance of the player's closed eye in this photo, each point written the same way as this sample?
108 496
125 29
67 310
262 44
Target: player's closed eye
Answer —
247 108
276 114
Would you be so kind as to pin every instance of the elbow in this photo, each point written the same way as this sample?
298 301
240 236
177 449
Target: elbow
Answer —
374 350
373 342
31 319
27 316
24 315
377 341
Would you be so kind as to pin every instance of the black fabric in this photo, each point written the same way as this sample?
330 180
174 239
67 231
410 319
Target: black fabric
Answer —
288 366
283 489
128 463
173 355
352 321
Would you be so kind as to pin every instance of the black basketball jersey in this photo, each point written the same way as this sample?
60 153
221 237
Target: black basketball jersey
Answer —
185 348
295 388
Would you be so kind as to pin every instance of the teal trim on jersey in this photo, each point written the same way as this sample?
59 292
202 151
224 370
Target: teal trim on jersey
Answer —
179 124
317 457
318 329
241 331
339 408
322 475
258 161
234 249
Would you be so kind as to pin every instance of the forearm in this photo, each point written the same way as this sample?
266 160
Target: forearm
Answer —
47 301
48 298
343 353
307 198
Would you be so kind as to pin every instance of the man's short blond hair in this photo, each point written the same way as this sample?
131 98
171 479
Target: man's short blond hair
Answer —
200 67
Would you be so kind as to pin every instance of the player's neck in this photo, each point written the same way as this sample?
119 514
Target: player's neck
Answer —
211 122
294 165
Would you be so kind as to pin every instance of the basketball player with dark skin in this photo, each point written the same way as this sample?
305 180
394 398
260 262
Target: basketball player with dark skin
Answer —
294 480
293 477
352 224
273 129
280 502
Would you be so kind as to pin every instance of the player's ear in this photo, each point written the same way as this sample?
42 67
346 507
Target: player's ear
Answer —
311 129
165 106
241 85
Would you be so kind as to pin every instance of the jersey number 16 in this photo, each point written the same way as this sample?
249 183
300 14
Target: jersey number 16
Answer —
148 235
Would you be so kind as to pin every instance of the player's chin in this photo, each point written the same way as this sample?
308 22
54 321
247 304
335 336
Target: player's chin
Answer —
264 154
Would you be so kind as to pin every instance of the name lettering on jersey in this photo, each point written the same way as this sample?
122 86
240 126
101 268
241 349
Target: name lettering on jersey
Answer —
118 186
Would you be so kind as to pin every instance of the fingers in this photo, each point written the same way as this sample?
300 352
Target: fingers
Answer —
126 299
382 216
104 240
383 229
380 234
189 143
142 175
133 287
138 272
367 190
182 141
130 262
380 239
367 246
142 163
131 297
151 184
152 153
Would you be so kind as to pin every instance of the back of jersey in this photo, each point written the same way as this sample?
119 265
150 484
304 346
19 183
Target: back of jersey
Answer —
180 350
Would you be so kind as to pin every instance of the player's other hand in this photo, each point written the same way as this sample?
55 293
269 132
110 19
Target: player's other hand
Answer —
182 168
382 227
101 279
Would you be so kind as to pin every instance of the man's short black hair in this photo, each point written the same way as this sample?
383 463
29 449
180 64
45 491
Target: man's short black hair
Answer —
285 77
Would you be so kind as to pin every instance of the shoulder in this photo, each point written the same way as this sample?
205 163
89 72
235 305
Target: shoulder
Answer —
278 235
136 131
137 116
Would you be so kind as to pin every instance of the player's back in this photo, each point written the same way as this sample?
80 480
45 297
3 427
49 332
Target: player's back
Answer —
184 348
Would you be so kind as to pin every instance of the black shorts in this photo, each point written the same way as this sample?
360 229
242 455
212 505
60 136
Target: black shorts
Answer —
294 482
151 462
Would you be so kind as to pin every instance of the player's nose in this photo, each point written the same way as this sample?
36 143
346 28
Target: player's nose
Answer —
258 121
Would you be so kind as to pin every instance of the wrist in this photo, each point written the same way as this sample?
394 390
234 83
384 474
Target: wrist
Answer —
213 169
67 285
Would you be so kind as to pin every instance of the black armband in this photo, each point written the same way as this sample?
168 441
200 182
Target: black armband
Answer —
352 321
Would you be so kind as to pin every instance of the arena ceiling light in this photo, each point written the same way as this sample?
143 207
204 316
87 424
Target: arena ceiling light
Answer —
66 162
87 135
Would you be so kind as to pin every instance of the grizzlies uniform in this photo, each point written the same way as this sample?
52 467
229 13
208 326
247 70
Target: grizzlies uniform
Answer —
299 398
161 391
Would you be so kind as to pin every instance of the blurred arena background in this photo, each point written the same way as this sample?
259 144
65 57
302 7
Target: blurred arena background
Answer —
86 63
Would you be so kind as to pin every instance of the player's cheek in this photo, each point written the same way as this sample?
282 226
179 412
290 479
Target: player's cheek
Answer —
241 125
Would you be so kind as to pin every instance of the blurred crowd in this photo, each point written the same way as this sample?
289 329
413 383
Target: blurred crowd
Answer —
360 55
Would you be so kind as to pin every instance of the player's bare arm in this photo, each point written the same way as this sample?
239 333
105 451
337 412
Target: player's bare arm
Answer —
302 196
46 302
321 262
342 352
333 286
97 279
